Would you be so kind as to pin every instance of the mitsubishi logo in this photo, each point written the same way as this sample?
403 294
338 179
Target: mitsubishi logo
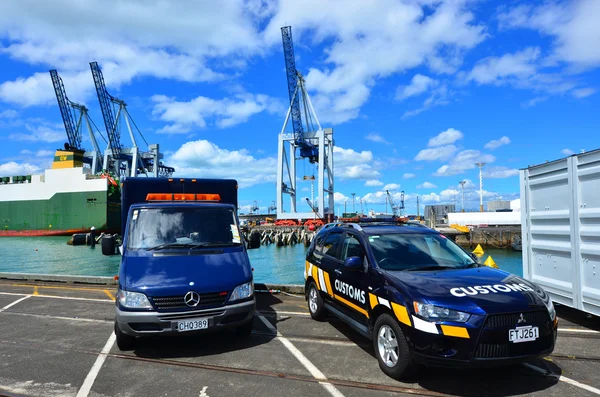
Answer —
193 298
521 319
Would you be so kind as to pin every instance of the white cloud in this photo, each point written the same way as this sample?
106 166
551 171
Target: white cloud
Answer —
391 186
500 172
373 182
8 114
408 176
204 159
567 152
11 169
339 198
573 25
430 198
583 92
418 85
464 161
371 43
426 185
445 138
496 70
438 96
39 133
375 137
161 41
496 143
226 112
436 153
534 101
349 164
44 153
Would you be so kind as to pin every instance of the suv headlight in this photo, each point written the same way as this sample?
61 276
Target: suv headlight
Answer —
436 313
133 300
242 292
551 309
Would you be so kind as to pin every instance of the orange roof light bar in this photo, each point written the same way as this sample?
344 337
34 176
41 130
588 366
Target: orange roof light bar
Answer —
183 197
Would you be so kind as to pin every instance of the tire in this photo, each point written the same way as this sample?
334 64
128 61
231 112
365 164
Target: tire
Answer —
391 348
245 329
124 342
315 303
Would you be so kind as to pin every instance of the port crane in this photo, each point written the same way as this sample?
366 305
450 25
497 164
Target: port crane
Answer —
74 133
397 210
125 161
308 139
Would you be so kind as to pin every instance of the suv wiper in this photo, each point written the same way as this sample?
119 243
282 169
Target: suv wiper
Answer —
470 265
434 267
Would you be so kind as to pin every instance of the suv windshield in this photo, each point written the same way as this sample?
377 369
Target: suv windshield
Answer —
158 228
418 251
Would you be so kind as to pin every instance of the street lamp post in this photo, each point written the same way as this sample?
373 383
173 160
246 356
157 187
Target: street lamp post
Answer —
480 165
353 202
462 186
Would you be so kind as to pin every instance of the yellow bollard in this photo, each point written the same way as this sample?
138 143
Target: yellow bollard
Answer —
490 262
478 251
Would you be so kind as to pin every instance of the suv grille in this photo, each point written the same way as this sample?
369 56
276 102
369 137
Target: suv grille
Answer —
169 303
493 341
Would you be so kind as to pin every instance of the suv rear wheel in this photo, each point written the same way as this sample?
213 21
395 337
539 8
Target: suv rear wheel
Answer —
315 303
391 348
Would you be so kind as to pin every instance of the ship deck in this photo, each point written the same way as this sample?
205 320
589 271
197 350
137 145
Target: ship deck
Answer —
57 339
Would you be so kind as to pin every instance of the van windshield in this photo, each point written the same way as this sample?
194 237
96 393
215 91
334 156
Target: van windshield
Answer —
159 228
418 251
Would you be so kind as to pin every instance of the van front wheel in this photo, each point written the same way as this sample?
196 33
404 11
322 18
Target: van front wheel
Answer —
124 342
244 329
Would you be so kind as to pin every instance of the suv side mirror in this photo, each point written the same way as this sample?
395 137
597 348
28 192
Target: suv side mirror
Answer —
353 263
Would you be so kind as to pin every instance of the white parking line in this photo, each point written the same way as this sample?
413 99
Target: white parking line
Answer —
91 376
564 379
276 312
78 319
577 330
14 303
73 298
314 371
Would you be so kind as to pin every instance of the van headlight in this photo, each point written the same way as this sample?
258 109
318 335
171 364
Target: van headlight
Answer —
242 292
133 300
436 313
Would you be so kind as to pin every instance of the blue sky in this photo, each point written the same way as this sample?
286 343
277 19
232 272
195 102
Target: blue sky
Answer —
417 91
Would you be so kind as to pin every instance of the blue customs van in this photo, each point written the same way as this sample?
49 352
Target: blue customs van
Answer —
184 265
422 299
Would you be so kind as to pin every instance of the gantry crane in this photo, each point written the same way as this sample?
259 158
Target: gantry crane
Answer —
396 210
129 160
313 143
73 130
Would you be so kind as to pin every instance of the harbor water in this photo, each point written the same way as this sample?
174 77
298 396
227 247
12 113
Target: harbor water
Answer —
272 264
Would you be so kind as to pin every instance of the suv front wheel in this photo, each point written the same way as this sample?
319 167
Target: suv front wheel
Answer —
315 303
391 348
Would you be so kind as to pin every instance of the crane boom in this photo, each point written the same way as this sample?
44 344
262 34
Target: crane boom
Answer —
105 105
73 135
394 207
292 79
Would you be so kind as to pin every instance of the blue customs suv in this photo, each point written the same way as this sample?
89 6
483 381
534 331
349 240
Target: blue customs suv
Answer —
422 299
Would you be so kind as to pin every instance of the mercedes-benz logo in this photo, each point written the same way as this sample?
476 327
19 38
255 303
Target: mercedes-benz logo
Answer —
192 299
521 319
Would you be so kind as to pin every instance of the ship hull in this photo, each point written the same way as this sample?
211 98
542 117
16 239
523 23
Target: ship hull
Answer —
63 203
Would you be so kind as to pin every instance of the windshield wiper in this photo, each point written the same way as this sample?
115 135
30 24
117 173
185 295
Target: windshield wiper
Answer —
434 267
168 245
217 244
470 265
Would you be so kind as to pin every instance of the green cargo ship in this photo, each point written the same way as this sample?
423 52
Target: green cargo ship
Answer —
63 200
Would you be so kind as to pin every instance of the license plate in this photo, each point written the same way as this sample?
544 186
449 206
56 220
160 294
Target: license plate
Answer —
191 325
523 334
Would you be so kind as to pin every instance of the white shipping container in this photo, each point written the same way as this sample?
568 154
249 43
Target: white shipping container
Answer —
560 209
484 218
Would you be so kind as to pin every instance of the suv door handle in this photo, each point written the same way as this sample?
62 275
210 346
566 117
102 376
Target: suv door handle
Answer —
338 272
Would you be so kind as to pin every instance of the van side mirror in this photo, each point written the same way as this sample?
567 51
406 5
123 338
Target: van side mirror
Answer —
353 263
253 240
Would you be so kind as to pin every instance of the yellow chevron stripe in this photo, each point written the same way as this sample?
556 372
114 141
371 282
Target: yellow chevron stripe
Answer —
373 300
401 313
459 332
327 282
315 275
352 305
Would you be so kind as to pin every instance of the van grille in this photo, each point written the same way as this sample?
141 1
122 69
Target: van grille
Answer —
170 303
